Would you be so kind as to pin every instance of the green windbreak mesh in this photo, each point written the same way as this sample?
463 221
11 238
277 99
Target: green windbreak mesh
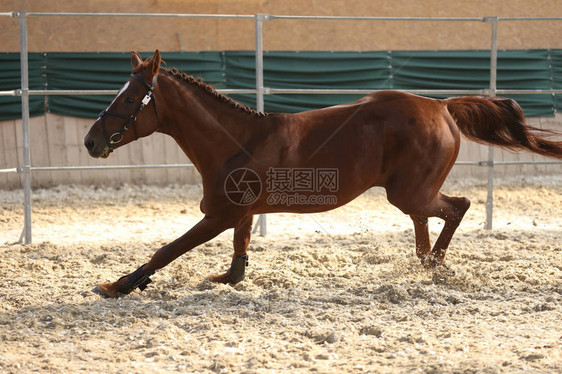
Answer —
446 70
556 65
530 69
75 71
361 70
471 70
10 79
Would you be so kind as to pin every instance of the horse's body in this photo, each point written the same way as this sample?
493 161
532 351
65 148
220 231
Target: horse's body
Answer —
404 143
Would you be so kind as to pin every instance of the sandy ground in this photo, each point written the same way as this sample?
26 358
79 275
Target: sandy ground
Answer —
334 292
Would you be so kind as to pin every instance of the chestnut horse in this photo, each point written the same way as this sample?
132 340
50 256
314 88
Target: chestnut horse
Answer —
253 163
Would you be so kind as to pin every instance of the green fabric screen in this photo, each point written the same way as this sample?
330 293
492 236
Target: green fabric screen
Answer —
529 69
75 71
471 70
10 79
362 70
556 66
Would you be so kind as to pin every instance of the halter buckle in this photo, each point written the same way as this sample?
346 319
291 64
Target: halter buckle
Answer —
117 140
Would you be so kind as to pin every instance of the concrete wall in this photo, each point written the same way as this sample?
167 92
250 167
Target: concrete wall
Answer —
80 34
59 141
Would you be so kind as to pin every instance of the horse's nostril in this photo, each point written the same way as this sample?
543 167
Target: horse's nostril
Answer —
89 145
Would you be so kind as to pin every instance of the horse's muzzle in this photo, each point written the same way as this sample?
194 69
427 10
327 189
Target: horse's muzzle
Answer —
96 145
97 152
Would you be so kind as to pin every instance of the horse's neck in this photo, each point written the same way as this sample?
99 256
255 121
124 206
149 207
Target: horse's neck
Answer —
208 130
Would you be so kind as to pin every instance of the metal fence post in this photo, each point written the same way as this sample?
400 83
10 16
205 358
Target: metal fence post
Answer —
25 126
261 223
493 86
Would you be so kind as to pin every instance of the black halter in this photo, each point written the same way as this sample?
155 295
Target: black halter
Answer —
117 137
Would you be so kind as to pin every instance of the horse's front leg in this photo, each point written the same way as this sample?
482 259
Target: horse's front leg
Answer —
237 271
203 231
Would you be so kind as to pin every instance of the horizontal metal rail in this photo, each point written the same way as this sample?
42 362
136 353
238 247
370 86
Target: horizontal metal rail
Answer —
484 91
19 92
275 17
11 170
179 166
529 18
157 15
350 91
429 19
108 167
366 18
284 91
527 163
527 92
88 168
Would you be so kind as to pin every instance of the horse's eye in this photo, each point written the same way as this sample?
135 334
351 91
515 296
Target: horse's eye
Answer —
130 100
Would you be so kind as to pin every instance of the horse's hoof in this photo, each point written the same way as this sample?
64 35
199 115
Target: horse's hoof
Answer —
428 265
108 290
221 278
430 262
443 269
99 291
235 274
125 285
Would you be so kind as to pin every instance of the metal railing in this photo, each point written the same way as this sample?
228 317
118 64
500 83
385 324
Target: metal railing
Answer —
24 92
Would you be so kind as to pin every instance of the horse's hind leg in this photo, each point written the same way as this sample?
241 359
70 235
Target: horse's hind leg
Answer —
241 240
451 210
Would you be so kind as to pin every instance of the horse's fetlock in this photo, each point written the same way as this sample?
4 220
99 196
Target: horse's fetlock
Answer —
138 279
238 269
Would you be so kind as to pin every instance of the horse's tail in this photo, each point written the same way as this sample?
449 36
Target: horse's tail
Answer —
500 121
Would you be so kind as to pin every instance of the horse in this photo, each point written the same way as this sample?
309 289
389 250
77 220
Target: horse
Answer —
256 163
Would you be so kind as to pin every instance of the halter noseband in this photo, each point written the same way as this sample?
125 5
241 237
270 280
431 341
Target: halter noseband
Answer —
117 137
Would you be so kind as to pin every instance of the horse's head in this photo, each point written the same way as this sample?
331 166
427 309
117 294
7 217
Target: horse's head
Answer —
132 114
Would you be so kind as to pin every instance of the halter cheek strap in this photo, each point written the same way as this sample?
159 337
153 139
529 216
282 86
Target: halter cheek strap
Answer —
117 137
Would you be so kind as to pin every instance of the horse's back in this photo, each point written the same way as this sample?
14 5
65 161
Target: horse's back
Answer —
379 104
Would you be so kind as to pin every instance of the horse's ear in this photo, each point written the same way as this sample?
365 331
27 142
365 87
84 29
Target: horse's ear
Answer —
136 59
155 61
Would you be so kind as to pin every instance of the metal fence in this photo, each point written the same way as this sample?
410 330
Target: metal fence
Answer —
24 92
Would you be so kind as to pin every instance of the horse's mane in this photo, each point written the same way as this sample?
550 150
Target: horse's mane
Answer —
210 90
